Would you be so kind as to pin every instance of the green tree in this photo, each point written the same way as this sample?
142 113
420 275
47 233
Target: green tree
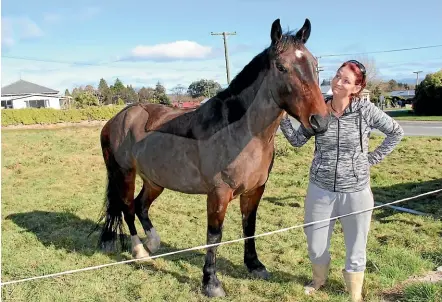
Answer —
203 87
85 99
66 93
104 92
428 95
160 94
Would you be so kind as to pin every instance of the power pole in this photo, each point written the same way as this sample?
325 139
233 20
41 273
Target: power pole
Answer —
417 77
318 69
226 53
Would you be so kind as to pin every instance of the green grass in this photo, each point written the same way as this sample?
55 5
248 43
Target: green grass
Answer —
423 292
408 115
53 185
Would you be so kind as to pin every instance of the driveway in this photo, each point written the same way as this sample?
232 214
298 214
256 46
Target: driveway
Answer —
411 128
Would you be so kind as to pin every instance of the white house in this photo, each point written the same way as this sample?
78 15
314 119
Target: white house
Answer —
23 94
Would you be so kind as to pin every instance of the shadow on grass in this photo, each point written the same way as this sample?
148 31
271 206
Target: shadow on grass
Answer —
429 204
278 201
69 232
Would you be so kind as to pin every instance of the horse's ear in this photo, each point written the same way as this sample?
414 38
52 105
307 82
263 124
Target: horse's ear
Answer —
304 33
276 32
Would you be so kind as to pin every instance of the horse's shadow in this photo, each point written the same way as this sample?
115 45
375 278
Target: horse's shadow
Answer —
64 230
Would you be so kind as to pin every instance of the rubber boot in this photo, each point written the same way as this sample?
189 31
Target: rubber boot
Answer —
320 273
354 282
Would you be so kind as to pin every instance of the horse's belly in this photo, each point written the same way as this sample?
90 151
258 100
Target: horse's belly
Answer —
170 162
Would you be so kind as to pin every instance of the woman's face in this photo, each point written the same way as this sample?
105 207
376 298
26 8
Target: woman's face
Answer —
343 84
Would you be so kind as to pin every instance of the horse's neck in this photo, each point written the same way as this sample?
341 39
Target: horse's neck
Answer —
263 115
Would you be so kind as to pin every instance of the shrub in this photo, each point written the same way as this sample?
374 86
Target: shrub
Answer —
29 116
428 97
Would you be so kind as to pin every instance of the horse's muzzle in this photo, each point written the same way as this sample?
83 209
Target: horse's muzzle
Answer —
319 123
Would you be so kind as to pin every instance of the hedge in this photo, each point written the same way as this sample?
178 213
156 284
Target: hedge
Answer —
30 116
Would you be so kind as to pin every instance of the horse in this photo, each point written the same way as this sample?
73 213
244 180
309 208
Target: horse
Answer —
223 149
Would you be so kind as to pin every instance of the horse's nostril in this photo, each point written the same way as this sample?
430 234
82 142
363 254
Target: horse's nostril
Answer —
314 122
318 123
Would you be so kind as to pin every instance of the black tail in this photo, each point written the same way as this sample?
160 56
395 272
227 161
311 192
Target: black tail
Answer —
114 200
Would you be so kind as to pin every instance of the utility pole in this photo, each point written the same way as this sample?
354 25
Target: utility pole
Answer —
318 68
417 77
226 53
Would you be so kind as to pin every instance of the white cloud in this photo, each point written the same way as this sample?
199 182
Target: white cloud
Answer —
172 51
15 29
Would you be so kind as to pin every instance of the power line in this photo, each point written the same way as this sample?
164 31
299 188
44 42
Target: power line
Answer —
379 51
119 61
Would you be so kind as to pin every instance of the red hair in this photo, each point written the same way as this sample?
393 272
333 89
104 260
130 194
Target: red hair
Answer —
360 78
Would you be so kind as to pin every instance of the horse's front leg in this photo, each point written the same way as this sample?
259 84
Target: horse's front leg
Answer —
249 206
217 202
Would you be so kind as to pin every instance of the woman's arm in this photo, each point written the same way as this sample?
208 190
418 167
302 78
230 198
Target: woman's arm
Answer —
378 119
296 138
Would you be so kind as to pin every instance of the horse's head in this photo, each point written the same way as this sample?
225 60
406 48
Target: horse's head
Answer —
294 78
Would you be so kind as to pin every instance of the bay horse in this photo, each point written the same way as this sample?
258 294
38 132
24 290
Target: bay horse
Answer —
224 149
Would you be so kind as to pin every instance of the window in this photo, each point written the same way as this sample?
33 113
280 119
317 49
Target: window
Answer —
37 103
6 104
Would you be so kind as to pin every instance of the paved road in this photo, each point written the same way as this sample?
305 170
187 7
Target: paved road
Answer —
411 128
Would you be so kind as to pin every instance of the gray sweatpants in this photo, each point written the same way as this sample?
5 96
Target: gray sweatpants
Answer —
321 204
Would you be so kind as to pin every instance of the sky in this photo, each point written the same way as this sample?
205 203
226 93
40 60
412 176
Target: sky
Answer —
60 45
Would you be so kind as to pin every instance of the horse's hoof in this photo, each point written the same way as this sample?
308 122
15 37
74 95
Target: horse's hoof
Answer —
152 241
140 253
214 291
261 273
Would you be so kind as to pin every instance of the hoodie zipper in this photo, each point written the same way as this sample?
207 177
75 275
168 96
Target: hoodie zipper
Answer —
337 158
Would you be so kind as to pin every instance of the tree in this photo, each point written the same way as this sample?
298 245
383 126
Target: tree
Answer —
146 94
428 95
392 85
372 72
203 87
104 92
160 94
66 93
179 91
117 89
129 95
85 99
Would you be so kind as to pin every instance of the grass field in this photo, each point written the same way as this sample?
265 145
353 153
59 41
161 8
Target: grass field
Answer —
53 185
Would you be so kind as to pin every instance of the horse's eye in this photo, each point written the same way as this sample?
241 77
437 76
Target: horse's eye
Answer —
281 67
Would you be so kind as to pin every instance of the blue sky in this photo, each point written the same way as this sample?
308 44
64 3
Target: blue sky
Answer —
170 41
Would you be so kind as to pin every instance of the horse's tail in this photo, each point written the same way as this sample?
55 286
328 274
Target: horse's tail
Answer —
114 199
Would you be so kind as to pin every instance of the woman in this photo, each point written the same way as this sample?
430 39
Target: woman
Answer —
340 175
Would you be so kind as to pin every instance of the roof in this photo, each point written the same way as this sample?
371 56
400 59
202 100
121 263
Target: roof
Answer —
25 87
402 93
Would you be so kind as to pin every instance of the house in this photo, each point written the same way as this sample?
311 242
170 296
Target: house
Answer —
24 94
405 94
186 105
326 91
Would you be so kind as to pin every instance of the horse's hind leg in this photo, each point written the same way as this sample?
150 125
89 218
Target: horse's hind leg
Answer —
144 200
138 250
249 206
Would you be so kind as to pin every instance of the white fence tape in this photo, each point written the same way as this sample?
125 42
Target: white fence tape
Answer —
215 244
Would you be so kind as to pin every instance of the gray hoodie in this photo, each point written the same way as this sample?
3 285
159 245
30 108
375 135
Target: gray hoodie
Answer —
341 161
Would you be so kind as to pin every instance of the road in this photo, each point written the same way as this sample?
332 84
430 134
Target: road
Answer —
411 128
